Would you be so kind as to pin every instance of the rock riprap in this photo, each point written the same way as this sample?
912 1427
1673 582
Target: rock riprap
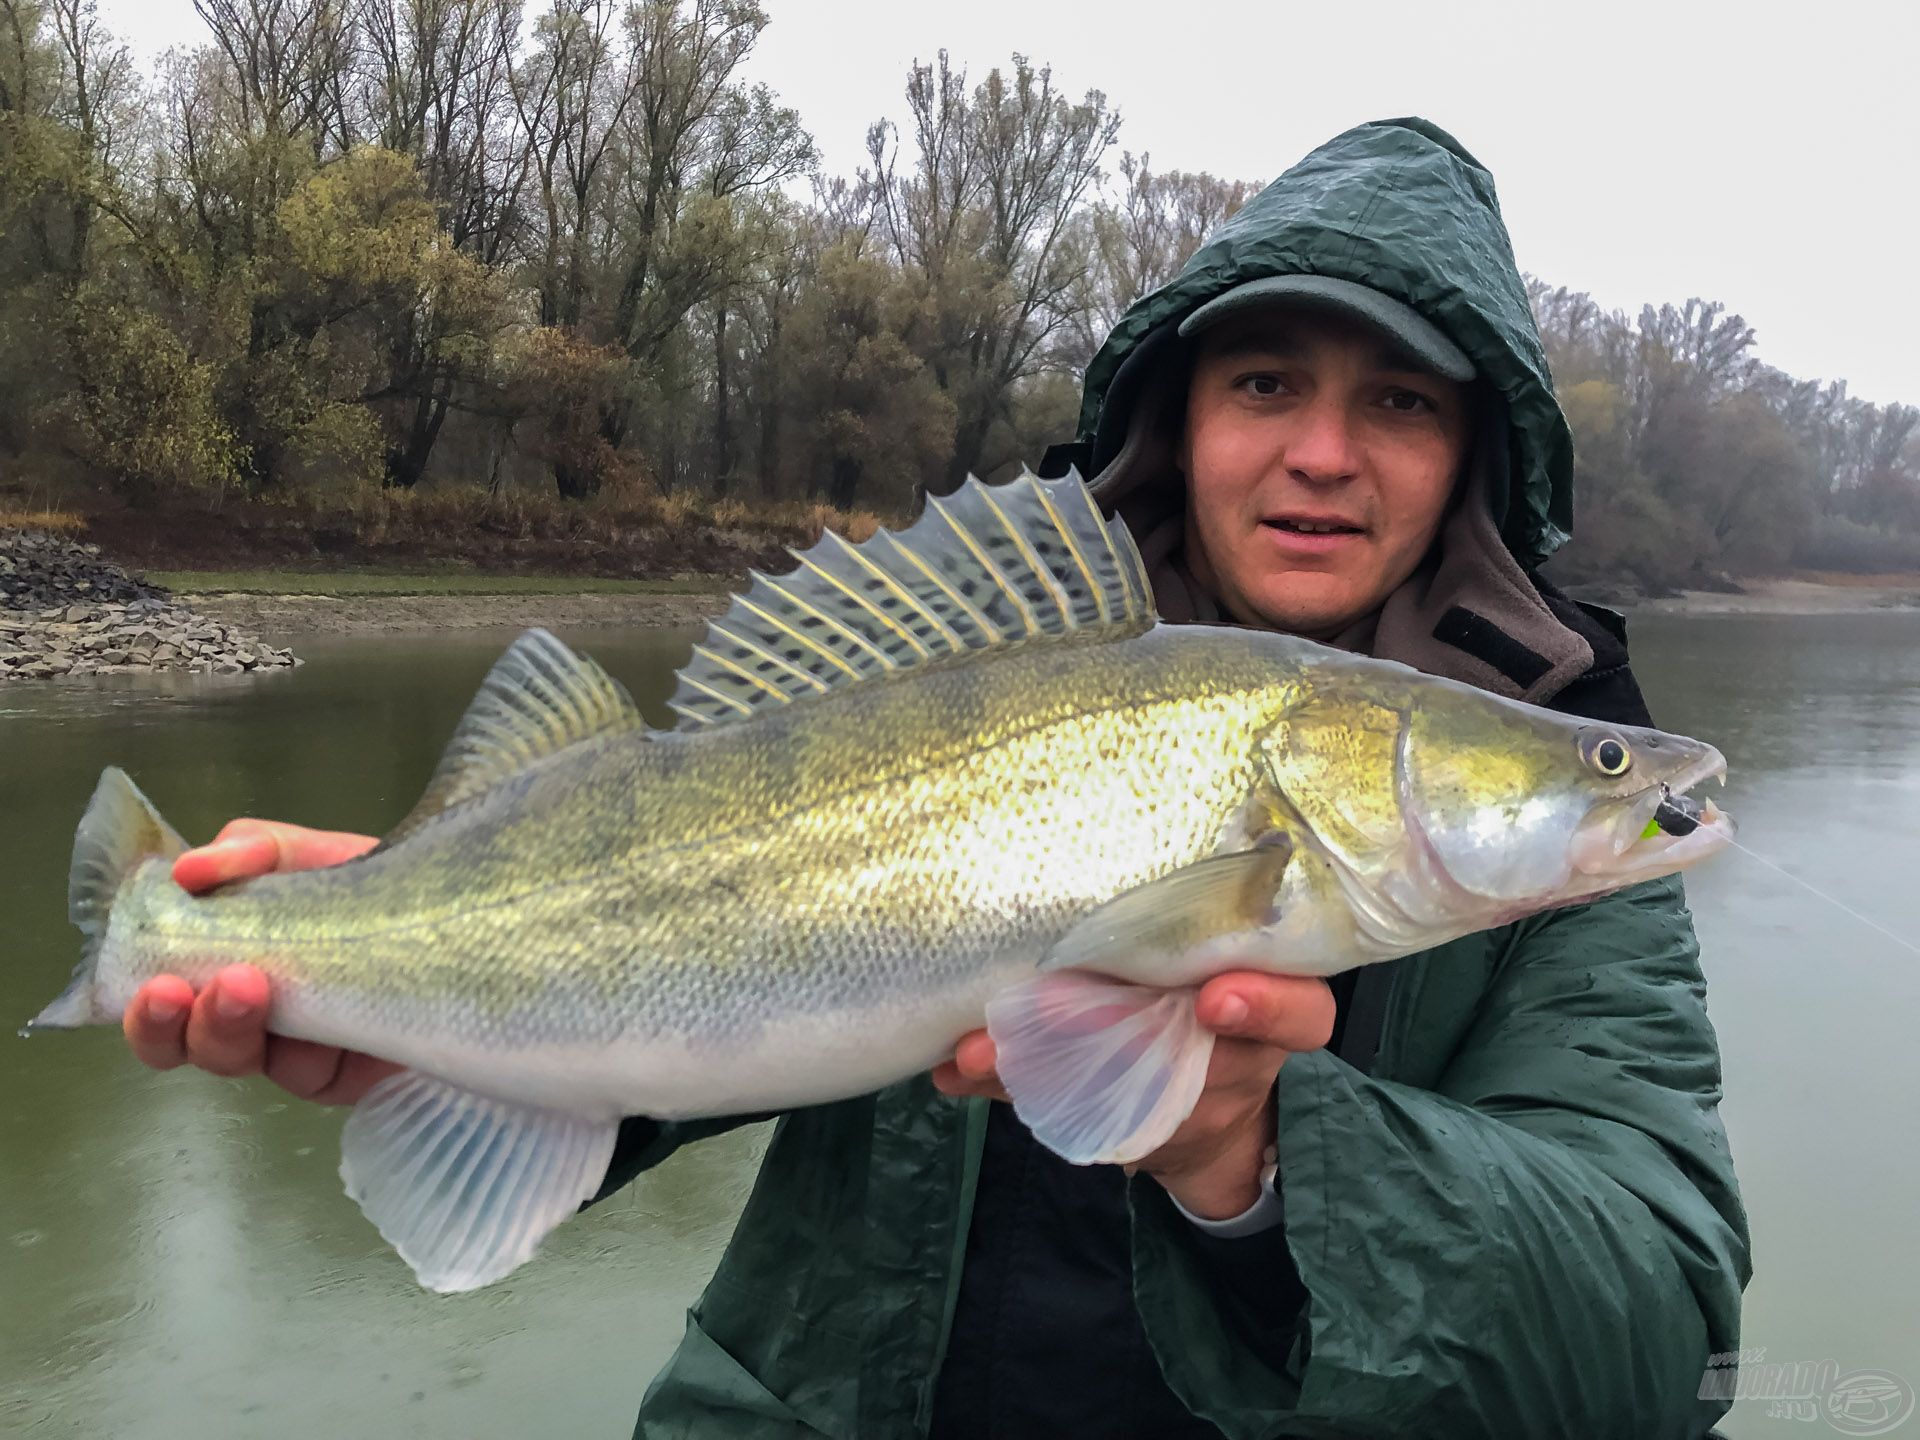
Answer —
66 611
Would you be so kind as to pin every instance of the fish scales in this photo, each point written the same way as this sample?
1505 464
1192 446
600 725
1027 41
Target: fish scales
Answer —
700 884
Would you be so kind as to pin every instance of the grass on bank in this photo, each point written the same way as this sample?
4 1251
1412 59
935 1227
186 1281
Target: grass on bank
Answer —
57 522
376 584
379 514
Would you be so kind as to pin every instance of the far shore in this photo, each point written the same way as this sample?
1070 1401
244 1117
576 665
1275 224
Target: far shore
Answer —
1804 594
278 616
309 615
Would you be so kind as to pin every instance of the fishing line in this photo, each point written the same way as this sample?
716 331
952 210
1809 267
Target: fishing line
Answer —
1815 890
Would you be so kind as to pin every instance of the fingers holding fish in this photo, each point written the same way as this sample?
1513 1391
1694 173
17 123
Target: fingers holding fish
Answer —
1263 1015
1212 1162
222 1030
227 1027
247 848
1294 1012
324 1074
156 1022
971 1072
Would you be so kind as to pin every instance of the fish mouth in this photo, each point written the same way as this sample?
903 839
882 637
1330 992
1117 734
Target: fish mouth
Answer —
1660 829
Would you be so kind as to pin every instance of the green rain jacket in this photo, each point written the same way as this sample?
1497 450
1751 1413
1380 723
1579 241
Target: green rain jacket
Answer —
1521 1220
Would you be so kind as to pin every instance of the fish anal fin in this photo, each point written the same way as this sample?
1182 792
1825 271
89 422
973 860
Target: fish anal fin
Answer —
466 1187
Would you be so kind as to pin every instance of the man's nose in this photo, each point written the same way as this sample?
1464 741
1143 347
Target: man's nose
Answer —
1323 450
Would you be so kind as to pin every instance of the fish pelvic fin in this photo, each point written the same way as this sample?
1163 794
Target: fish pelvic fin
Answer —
119 831
986 567
539 698
464 1186
1101 1071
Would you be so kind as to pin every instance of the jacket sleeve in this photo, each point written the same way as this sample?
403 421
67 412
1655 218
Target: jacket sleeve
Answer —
644 1143
1548 1241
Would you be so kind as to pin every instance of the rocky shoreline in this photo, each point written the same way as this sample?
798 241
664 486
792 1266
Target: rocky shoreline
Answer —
65 611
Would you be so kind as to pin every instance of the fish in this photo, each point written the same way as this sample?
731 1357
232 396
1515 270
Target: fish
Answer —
951 776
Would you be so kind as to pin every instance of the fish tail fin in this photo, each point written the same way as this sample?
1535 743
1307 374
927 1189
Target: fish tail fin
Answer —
119 831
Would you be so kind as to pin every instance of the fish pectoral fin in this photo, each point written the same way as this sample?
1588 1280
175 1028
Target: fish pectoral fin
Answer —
464 1186
1165 929
1102 1072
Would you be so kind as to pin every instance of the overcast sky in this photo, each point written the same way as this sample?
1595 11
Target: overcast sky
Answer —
1765 156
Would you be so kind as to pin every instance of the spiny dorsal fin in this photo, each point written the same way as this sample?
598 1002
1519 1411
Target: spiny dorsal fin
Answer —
538 699
984 567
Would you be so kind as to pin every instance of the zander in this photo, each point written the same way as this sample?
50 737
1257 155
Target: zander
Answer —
952 775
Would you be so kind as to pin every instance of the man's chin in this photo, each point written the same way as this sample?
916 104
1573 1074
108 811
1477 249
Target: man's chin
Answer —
1321 608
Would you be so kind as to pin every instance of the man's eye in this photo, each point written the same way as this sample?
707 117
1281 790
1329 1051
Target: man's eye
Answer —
1261 384
1409 402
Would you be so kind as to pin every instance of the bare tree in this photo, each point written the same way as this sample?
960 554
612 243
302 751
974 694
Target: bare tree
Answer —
571 95
648 153
1140 241
434 86
985 219
290 63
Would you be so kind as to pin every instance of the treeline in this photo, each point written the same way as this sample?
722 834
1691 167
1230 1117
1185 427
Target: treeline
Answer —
353 247
1695 460
377 241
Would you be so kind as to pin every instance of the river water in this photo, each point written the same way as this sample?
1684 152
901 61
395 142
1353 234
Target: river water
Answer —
177 1258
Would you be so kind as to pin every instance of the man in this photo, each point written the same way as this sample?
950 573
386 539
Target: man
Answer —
1479 1192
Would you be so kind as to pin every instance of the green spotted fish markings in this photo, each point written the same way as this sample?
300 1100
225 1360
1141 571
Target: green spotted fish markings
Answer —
953 776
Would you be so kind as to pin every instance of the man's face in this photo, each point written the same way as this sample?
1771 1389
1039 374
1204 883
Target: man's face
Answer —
1318 462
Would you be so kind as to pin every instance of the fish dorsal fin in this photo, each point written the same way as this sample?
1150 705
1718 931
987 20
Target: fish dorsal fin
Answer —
538 699
988 566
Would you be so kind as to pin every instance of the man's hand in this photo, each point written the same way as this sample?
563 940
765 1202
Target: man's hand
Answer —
1212 1164
223 1029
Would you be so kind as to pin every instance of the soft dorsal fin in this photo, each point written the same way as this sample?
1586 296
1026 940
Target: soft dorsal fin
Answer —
538 699
987 566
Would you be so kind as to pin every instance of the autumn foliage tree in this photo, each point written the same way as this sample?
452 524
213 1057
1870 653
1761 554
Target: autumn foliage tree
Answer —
563 246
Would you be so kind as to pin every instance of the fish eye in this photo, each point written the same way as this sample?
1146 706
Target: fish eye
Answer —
1610 757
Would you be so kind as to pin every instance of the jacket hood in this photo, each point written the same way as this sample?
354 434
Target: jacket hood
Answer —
1401 206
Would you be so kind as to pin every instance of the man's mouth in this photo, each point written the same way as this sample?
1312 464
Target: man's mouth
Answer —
1314 525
